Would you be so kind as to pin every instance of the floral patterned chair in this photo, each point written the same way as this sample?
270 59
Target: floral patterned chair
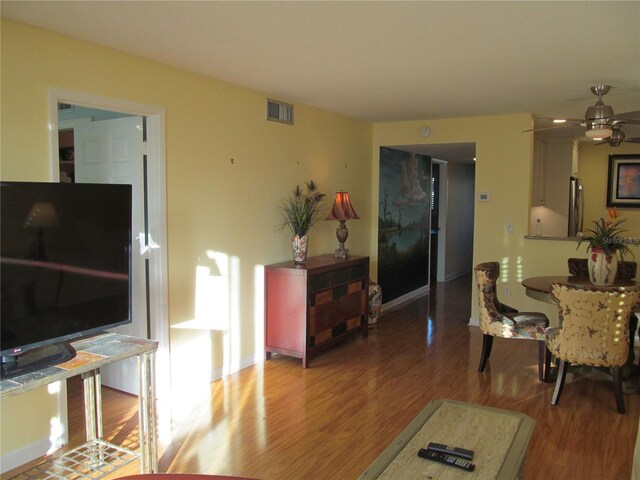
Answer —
578 267
594 331
500 320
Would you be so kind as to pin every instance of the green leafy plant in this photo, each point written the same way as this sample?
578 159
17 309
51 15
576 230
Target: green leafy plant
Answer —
606 235
302 209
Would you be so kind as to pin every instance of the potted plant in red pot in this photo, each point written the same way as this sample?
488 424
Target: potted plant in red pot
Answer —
604 244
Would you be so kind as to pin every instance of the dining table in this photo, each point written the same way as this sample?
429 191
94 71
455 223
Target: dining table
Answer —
539 288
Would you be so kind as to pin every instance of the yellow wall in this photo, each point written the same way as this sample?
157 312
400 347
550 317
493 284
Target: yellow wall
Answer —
593 169
231 209
503 168
212 204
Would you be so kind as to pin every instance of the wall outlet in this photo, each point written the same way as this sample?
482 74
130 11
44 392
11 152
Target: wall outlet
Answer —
507 290
509 227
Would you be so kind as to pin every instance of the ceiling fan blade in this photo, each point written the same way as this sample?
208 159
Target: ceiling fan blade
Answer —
551 119
633 140
627 116
560 125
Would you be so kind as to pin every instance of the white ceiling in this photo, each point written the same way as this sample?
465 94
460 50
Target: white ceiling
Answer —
380 61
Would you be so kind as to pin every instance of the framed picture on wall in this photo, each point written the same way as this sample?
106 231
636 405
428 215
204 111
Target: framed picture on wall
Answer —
623 184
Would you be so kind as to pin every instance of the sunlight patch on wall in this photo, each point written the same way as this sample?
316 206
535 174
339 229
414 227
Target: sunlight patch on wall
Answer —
216 326
56 425
504 269
192 361
204 339
232 360
56 434
258 311
520 268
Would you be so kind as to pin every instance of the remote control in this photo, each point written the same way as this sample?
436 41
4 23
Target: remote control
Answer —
447 450
446 459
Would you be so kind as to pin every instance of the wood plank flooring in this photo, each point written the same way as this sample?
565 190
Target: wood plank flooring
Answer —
277 420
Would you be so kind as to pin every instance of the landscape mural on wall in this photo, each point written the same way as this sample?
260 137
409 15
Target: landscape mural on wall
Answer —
403 222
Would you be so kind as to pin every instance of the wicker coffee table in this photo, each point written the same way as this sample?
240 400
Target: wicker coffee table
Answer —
498 437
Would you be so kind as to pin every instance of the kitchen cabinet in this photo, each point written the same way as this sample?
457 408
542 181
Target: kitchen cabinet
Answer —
555 161
311 306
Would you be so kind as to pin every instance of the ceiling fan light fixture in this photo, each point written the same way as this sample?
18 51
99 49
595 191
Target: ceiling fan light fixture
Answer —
599 132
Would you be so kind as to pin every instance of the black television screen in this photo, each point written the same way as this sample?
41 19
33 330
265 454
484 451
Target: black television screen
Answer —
65 267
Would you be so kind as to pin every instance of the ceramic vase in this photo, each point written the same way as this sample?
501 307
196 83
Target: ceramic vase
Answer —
299 245
602 267
375 302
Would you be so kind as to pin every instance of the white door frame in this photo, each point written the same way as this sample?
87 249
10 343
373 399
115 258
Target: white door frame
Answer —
157 211
442 220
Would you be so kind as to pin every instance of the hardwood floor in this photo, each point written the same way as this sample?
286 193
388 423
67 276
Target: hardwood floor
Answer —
277 420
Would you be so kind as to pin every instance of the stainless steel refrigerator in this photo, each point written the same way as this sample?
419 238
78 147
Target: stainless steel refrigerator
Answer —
576 206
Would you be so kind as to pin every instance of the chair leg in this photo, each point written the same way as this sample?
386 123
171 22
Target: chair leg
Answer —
633 325
487 343
562 373
617 388
544 361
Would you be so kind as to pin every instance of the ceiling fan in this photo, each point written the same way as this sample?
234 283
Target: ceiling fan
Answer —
617 137
599 119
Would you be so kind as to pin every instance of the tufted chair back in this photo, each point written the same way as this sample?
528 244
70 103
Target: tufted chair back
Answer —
594 324
488 303
594 331
492 310
500 320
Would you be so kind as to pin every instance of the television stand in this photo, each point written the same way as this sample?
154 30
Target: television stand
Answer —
97 458
36 359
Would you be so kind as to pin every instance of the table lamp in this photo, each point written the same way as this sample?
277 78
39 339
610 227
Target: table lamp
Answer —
342 211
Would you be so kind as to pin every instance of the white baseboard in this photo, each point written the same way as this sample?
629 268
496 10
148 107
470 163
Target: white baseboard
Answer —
23 455
407 296
474 322
453 276
218 373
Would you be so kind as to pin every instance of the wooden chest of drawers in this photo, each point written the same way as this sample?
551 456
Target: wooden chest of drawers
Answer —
312 306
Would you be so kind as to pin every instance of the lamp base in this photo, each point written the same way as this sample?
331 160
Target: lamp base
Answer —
341 252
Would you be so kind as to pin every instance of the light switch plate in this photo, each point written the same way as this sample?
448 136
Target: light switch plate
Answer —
484 196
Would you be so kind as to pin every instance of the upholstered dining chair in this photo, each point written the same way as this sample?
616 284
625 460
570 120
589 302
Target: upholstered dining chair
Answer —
594 331
579 267
500 320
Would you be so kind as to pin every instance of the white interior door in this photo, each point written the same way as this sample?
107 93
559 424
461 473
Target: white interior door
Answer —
110 151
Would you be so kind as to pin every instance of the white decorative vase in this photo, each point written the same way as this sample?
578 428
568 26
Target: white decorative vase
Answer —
299 245
602 267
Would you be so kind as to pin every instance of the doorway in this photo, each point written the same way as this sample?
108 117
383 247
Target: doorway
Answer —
148 121
435 222
451 188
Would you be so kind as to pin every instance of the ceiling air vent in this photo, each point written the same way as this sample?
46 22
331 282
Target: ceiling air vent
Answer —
65 107
279 112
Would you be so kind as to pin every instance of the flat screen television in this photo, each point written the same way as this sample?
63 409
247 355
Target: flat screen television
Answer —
65 268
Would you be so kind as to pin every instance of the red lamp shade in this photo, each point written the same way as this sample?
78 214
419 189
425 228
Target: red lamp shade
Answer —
342 208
